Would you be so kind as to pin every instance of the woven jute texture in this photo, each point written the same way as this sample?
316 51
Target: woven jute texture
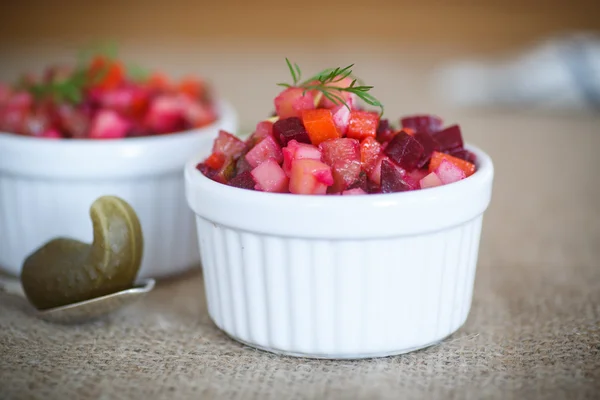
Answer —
533 331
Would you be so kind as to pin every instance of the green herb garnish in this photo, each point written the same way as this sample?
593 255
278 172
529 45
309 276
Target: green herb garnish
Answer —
324 80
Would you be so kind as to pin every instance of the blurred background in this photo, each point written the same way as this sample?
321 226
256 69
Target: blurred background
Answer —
406 49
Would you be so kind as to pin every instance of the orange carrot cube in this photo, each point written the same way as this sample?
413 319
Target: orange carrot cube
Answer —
362 124
437 158
319 125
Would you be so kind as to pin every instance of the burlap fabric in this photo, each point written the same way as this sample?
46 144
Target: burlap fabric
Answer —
533 331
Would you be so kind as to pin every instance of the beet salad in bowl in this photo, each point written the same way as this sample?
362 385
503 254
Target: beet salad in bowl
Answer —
334 231
96 127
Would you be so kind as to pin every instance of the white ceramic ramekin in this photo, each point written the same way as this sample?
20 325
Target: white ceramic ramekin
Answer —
47 187
340 276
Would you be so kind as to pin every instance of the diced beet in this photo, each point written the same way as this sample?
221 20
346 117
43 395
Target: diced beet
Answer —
216 160
37 122
108 124
51 134
422 123
449 173
392 178
228 144
351 192
243 181
265 149
288 129
449 139
370 149
291 102
430 180
310 177
343 156
5 93
222 174
269 177
373 188
385 133
197 114
118 99
375 172
418 174
242 166
165 114
298 151
73 121
263 129
464 154
405 151
207 171
362 124
341 118
429 146
360 182
411 181
226 172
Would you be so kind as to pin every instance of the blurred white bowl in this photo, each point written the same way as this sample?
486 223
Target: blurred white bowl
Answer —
340 276
48 185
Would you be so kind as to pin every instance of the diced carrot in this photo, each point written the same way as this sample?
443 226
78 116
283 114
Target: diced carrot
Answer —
319 125
191 87
409 131
105 73
437 158
370 149
215 160
159 81
362 124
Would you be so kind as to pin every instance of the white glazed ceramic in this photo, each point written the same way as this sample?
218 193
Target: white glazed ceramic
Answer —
47 187
340 276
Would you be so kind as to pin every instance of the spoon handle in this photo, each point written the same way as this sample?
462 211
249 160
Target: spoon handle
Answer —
11 286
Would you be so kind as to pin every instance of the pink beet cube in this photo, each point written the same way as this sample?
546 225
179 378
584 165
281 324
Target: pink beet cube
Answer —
51 134
291 102
263 129
343 156
430 180
228 144
197 114
310 177
449 173
351 192
265 149
375 173
269 177
108 124
298 151
165 114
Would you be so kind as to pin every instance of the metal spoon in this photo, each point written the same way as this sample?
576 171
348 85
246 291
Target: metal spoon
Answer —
84 311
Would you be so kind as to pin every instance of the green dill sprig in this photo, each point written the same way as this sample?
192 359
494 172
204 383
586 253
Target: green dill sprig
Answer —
324 82
294 71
